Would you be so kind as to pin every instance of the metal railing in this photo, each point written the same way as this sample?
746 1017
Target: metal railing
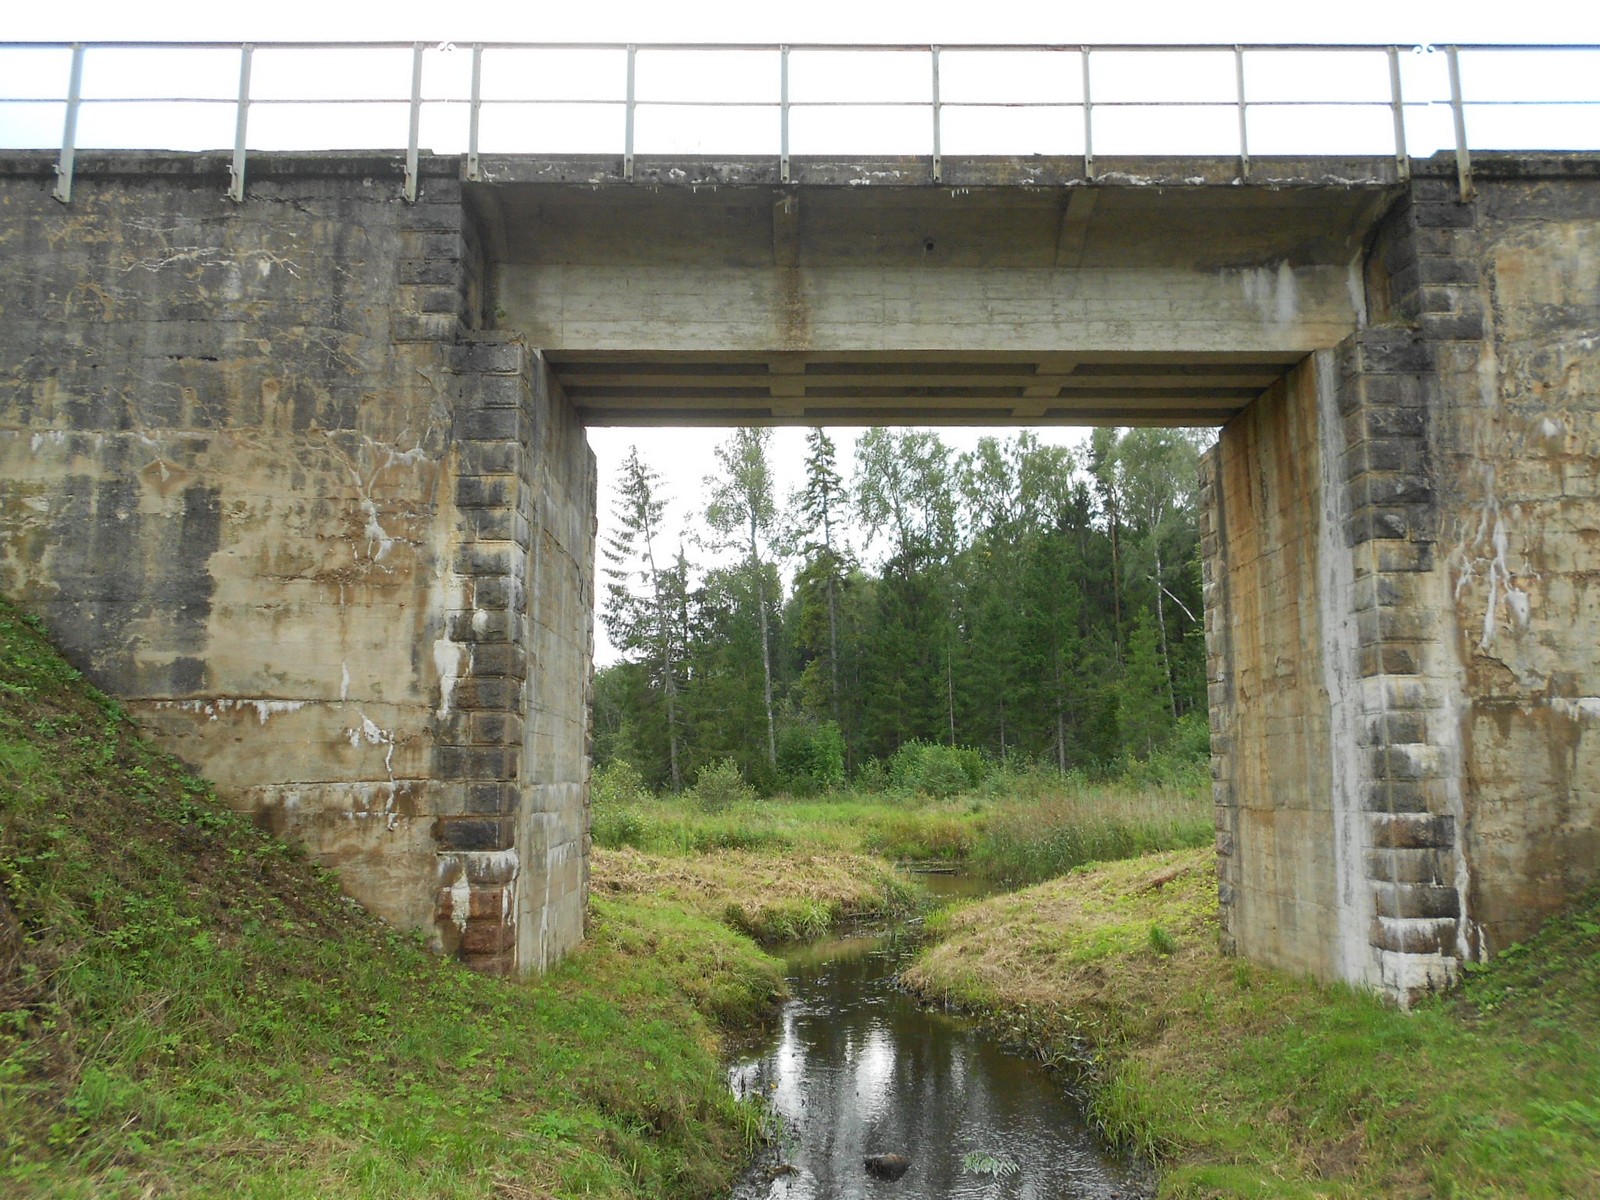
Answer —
1085 93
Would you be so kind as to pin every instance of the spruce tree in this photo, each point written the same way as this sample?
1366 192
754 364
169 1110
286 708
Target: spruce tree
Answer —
641 595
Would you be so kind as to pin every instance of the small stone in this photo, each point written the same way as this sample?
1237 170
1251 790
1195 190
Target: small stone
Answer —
886 1166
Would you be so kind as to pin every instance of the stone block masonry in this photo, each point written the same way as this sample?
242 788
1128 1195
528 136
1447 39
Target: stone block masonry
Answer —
265 478
1458 803
511 755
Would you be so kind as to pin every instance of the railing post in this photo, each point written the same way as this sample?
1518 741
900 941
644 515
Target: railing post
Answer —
938 158
627 135
1244 125
241 124
1088 119
69 128
1458 110
416 123
1402 160
783 114
475 110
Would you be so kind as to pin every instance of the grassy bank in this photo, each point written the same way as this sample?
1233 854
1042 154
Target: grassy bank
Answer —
187 1007
771 897
1242 1082
1020 828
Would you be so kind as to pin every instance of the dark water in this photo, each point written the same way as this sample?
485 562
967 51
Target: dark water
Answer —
857 1068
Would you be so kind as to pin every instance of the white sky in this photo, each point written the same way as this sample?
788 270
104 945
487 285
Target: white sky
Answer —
946 21
685 456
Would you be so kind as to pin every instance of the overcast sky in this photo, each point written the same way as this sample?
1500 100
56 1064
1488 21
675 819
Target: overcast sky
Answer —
685 455
945 21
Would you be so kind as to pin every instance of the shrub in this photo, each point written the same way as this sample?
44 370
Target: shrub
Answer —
617 783
872 776
721 785
936 770
811 758
617 797
615 826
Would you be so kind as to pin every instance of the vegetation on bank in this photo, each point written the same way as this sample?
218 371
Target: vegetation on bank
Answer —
1244 1082
188 1007
773 898
1014 827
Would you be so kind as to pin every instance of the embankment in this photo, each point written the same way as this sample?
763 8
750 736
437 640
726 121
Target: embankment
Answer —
188 1007
1244 1082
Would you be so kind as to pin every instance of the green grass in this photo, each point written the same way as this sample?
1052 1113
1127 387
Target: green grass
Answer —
772 897
1017 830
187 1007
1245 1082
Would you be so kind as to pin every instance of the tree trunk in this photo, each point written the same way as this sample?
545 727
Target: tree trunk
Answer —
1161 623
1116 581
950 688
766 667
833 636
672 725
669 665
1061 720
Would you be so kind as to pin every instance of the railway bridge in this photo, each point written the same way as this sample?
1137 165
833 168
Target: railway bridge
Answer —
294 463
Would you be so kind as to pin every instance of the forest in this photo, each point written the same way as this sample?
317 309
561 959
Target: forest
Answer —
1027 605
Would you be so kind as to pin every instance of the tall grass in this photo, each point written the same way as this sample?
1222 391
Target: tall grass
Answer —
1027 840
1017 828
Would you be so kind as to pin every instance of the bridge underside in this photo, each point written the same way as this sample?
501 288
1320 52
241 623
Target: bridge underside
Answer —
930 388
706 293
303 479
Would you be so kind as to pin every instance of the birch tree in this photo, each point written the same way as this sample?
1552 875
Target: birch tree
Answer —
741 515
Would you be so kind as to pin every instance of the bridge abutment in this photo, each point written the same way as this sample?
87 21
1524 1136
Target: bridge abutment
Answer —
267 480
1405 773
510 751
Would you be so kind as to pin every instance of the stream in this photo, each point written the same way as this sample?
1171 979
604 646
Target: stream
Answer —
857 1068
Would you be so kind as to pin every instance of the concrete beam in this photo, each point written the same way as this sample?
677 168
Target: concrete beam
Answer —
687 294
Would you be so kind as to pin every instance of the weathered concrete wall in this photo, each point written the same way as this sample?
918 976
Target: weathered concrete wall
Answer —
1508 291
1270 696
262 483
1458 465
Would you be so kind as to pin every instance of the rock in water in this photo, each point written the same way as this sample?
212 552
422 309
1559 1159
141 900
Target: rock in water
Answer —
886 1166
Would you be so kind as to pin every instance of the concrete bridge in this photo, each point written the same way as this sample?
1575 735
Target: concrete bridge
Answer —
303 480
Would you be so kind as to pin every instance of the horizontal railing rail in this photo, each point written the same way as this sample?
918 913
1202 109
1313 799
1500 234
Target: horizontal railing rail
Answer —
1092 100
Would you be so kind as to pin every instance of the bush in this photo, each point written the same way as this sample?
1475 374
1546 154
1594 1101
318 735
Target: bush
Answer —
721 785
872 776
1182 761
617 798
1191 736
811 758
616 826
936 770
615 784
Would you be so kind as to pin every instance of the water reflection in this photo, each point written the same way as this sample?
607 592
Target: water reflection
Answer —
859 1069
